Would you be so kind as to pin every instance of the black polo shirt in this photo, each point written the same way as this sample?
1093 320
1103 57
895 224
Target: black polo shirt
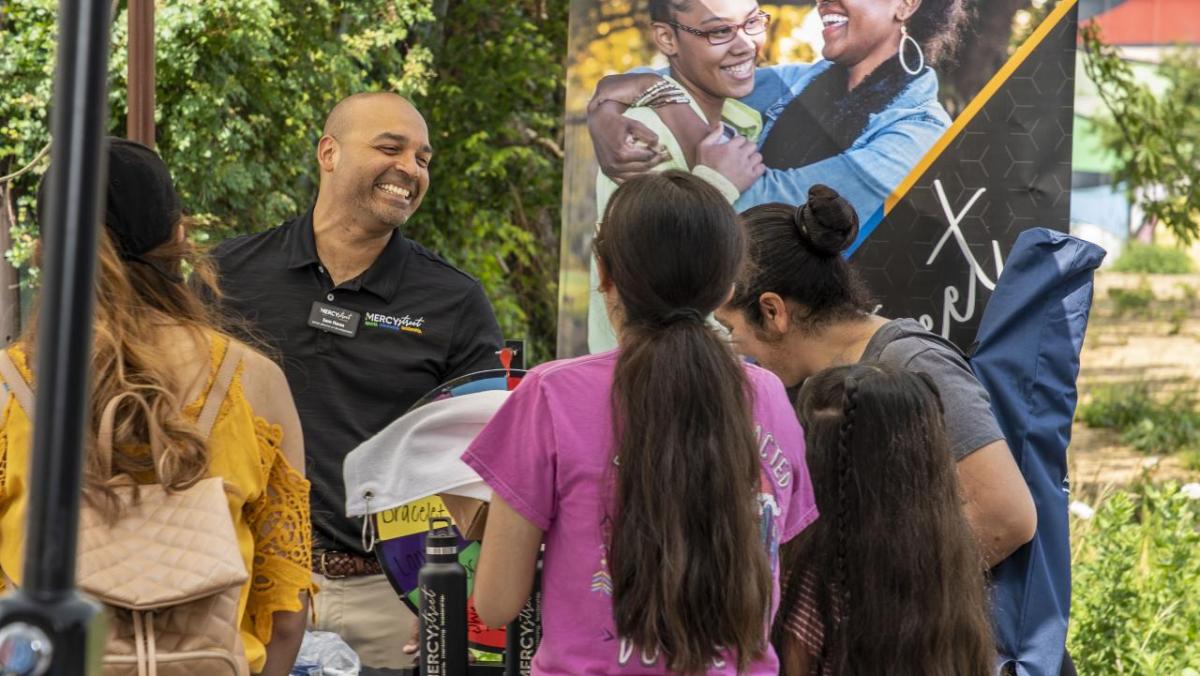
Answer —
423 322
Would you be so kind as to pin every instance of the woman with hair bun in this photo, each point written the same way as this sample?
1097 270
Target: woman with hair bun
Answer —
800 307
662 475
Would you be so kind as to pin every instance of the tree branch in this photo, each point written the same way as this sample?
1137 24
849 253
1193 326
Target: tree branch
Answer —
28 167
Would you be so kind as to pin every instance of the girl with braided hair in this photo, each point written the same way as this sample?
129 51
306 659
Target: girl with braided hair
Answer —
887 581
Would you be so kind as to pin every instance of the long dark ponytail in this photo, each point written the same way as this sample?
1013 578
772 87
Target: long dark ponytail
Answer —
690 574
903 592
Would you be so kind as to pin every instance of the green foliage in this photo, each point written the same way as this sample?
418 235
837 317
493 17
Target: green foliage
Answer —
1026 20
1117 406
1154 259
1155 135
26 71
1191 460
495 113
1135 301
1136 567
243 87
1150 425
1177 319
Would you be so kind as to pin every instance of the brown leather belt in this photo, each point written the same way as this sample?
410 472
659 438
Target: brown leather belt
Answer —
333 564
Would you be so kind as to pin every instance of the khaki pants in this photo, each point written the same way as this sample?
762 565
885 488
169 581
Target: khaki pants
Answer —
366 612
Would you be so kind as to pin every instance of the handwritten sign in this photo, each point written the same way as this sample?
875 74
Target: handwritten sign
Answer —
409 519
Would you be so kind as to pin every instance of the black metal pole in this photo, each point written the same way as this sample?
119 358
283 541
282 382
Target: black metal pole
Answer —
47 600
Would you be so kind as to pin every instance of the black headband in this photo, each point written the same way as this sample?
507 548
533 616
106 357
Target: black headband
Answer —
141 207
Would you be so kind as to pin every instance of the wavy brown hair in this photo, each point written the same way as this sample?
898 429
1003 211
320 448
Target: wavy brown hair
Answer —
690 574
900 588
134 303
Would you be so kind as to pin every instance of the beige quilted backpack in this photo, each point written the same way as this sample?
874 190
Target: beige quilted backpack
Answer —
168 571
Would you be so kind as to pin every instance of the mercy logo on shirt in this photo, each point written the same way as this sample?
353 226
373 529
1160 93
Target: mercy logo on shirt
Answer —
381 321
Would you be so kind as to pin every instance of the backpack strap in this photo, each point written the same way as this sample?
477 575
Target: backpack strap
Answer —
208 414
15 383
212 405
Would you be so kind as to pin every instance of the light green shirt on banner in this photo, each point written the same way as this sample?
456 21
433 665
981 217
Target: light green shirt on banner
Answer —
737 117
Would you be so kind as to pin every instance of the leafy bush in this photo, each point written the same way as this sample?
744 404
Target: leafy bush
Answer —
1146 423
1154 259
1150 129
1177 319
1136 571
1136 301
1191 460
1117 406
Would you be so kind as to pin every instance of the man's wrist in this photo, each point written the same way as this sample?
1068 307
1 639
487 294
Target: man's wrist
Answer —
618 107
621 90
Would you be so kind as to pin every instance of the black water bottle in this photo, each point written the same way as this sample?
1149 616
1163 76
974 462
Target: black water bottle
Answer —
442 583
524 633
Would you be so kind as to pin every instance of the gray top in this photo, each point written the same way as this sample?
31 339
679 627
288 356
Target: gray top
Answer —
970 423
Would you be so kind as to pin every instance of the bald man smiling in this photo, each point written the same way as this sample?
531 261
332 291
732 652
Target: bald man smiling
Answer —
366 322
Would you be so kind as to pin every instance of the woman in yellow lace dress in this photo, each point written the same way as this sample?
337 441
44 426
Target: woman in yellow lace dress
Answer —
156 349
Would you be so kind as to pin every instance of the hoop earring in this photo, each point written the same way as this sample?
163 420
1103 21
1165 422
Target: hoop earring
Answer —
905 39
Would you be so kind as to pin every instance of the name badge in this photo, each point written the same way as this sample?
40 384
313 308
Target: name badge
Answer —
334 319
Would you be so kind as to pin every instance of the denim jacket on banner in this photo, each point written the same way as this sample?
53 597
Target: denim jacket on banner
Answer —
893 142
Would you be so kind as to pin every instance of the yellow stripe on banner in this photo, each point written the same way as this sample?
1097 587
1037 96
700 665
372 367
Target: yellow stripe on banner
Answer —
980 100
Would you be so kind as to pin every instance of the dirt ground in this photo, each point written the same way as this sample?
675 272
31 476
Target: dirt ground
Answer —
1159 345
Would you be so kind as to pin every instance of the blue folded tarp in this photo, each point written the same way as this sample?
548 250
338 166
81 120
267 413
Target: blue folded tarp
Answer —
1027 357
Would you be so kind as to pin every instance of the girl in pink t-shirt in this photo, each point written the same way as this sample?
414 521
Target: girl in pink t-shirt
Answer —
661 476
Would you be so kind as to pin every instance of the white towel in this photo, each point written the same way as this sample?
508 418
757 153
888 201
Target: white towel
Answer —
418 455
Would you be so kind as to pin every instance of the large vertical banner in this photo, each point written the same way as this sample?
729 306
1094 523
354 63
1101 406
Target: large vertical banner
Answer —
949 131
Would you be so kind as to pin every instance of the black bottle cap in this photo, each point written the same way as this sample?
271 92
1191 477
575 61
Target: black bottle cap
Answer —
442 538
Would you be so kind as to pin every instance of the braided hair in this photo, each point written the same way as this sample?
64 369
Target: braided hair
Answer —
903 592
841 592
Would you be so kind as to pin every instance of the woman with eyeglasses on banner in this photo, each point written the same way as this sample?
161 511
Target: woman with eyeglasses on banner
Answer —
859 120
709 71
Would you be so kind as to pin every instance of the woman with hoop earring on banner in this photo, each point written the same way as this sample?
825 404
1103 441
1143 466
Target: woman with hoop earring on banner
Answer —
905 41
874 67
859 119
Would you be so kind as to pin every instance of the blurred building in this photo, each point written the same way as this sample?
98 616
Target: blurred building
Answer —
1145 30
